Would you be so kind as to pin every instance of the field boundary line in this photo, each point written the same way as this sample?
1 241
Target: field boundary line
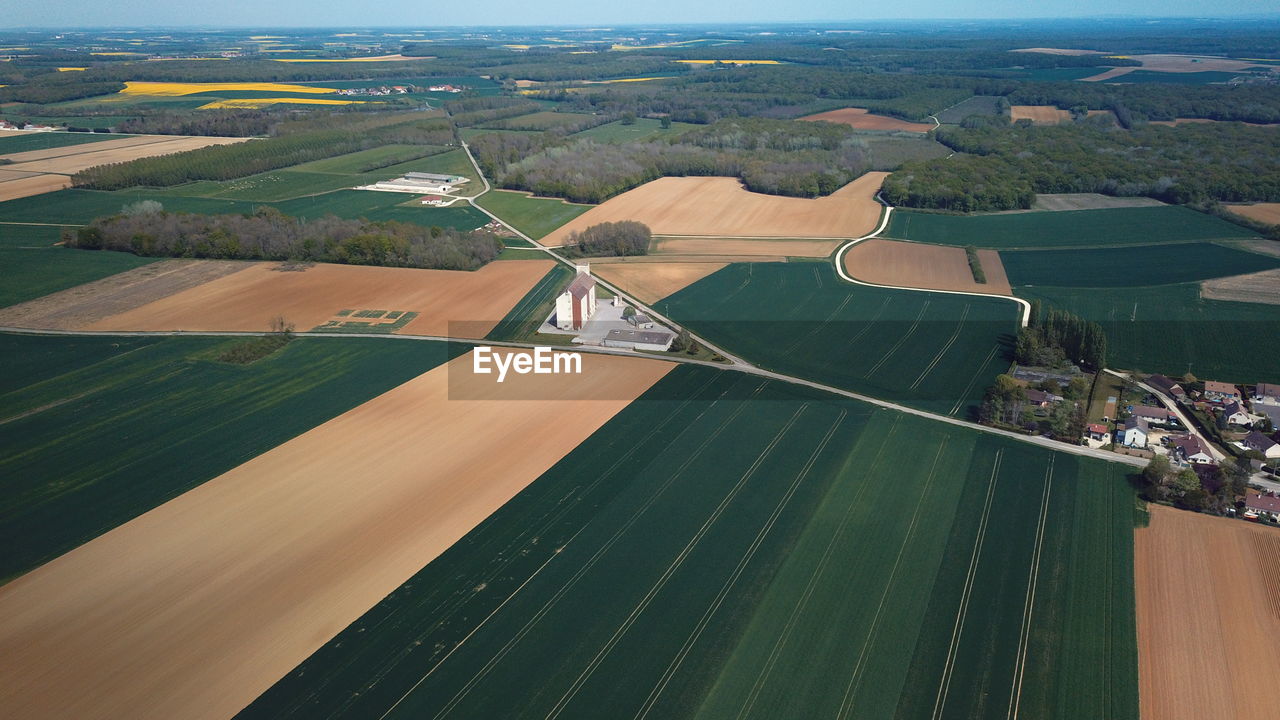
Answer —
671 569
591 562
948 668
1029 604
741 567
898 345
855 679
960 400
937 358
784 637
830 316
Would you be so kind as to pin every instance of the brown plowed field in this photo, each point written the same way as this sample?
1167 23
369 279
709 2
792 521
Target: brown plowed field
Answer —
1109 74
720 207
744 246
1207 626
34 184
57 152
91 155
195 608
1260 287
650 282
904 264
1048 114
1261 212
861 119
248 300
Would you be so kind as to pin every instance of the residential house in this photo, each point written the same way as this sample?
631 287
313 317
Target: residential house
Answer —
1134 433
1269 448
1234 414
1220 391
1262 504
1040 398
1167 386
1191 449
1152 414
1096 431
1267 393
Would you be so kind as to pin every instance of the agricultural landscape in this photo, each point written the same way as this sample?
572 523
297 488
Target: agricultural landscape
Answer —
872 369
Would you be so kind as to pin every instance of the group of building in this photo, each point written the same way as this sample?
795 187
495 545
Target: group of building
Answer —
577 305
431 185
29 127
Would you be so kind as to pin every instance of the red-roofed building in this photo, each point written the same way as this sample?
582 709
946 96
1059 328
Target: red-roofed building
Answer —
1263 504
1220 391
1096 431
577 303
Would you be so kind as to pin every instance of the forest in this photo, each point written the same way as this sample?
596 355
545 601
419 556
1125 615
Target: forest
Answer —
145 229
609 239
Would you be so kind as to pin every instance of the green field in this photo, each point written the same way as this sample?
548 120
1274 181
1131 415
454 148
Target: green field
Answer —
535 217
359 162
450 162
97 430
642 129
1172 330
934 351
543 120
1131 266
80 121
30 266
524 319
48 140
1194 78
729 546
1069 228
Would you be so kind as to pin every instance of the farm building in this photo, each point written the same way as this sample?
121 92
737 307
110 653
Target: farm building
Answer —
436 177
655 340
1263 444
577 303
1135 432
434 200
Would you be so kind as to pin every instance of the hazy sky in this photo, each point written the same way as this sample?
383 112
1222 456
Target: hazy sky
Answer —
423 13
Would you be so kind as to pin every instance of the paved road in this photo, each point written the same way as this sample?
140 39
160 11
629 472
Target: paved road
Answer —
1173 407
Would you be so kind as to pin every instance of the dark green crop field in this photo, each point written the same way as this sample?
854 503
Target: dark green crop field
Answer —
95 431
1172 330
729 546
49 140
1131 266
934 351
535 217
526 316
30 265
1068 228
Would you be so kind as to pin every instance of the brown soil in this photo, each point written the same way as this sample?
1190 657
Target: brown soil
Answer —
1206 622
195 608
85 304
32 185
650 282
861 119
721 207
473 302
1260 287
1058 51
904 264
57 152
6 175
1048 114
1109 74
1087 201
744 246
1261 212
91 156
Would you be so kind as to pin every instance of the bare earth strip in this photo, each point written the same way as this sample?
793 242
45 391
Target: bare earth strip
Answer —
650 282
57 152
195 608
1260 287
1087 201
6 175
1058 51
1109 74
249 300
861 119
32 185
916 265
1262 212
1206 626
722 207
71 164
82 305
744 246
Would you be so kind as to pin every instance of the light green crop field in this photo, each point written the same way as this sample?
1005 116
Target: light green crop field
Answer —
95 431
523 319
360 162
1070 228
729 546
535 217
31 267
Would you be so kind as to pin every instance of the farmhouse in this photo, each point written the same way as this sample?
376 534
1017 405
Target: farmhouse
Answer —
655 340
1261 504
577 303
1167 386
1220 391
1263 444
1192 449
1135 432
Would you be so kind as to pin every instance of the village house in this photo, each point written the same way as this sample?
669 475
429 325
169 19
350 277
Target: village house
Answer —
1152 414
1096 431
1269 448
1267 393
1167 386
1220 391
1135 432
1040 398
1234 414
1258 504
577 303
1191 449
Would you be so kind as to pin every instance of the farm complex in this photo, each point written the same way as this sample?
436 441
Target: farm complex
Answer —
884 369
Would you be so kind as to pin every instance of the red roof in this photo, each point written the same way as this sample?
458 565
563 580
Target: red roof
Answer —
580 285
1258 501
1213 386
1098 428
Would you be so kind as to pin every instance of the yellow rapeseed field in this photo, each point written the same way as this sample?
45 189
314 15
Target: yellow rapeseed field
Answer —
173 89
263 102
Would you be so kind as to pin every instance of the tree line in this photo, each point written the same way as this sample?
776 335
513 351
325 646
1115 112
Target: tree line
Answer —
610 239
1055 337
145 229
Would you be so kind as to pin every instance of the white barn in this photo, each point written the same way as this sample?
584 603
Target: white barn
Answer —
577 303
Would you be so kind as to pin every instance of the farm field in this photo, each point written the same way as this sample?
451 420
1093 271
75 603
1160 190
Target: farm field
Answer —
533 216
538 121
743 246
285 549
1261 287
705 571
987 105
1170 329
525 317
933 351
722 207
651 282
1206 600
31 266
466 303
1039 114
1072 228
1087 201
888 152
98 430
16 142
888 262
642 129
364 161
1131 266
1262 212
860 119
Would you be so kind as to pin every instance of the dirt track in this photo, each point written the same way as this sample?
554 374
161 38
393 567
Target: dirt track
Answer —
861 119
1207 618
904 264
721 207
248 300
195 608
744 246
650 282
